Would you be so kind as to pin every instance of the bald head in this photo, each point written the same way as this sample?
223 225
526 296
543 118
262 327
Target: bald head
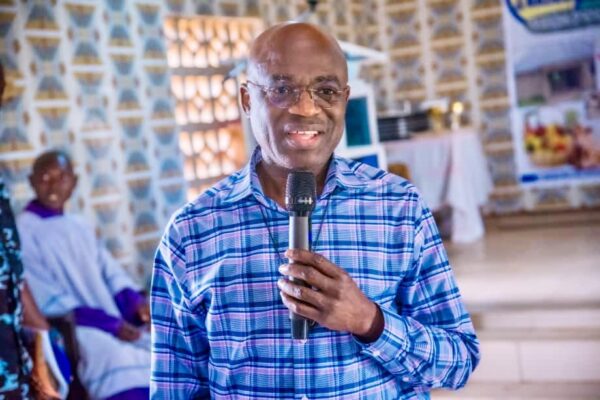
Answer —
49 158
274 45
53 179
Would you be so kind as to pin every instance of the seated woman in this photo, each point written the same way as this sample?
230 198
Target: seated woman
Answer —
69 271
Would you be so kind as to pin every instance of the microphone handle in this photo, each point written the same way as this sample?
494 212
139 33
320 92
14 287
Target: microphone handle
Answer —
299 238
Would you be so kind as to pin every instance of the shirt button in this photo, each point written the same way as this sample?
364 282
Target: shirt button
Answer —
376 353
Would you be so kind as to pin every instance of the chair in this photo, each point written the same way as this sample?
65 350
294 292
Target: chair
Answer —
65 324
400 169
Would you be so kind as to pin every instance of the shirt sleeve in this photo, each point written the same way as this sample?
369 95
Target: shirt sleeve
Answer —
179 340
428 340
97 318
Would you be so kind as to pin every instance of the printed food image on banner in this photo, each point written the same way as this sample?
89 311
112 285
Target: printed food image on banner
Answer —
554 64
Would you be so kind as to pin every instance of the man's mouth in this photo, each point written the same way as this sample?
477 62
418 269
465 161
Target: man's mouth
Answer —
304 133
303 139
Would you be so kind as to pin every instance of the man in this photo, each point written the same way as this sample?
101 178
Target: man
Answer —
70 272
389 321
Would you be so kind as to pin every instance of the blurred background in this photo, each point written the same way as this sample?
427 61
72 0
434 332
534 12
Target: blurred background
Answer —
491 109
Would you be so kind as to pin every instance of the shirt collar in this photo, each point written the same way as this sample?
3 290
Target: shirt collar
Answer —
42 211
340 174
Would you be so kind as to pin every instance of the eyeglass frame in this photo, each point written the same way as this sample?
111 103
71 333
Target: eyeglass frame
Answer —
297 89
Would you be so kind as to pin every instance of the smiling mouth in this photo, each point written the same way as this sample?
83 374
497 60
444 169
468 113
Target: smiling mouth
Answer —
304 133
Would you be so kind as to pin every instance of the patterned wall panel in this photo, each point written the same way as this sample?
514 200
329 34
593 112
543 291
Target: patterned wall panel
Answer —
492 93
201 52
13 137
449 60
98 86
407 70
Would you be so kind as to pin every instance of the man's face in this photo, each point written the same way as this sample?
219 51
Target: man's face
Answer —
305 134
53 183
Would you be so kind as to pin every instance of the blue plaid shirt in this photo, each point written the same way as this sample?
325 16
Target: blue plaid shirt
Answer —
220 330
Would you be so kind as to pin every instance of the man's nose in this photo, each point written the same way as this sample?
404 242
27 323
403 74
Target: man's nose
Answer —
305 105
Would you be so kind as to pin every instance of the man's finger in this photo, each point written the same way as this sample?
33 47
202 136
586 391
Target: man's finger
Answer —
309 274
300 308
316 260
302 293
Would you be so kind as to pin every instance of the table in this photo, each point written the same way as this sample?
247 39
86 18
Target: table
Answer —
448 168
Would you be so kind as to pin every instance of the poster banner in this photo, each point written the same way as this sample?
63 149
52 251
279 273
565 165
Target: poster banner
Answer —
553 54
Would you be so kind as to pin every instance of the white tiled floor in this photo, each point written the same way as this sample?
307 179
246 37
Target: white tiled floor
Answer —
535 294
543 266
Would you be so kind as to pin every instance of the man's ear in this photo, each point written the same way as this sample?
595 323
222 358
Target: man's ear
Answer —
245 99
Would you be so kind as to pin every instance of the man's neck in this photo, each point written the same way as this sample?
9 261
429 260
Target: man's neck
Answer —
273 181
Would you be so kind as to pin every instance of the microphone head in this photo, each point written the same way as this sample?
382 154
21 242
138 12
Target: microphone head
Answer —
301 192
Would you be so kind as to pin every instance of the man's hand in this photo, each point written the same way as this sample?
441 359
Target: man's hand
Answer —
128 332
143 312
332 298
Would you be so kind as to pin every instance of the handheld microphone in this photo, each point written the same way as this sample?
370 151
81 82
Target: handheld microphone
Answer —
300 199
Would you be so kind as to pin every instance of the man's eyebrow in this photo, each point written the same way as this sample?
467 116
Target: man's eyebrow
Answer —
318 79
280 77
328 78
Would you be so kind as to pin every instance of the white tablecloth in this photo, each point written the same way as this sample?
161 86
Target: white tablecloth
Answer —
448 169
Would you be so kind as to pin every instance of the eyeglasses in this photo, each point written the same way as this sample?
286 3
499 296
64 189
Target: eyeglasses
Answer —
285 95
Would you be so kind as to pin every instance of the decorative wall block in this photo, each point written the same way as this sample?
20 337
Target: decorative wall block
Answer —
166 135
14 171
41 16
140 189
496 124
408 78
136 162
106 213
47 69
502 166
116 246
506 202
103 185
590 195
551 198
174 194
175 6
145 222
146 250
131 127
170 168
98 148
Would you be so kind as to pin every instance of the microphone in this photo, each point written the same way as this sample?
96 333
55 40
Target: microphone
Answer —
300 199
